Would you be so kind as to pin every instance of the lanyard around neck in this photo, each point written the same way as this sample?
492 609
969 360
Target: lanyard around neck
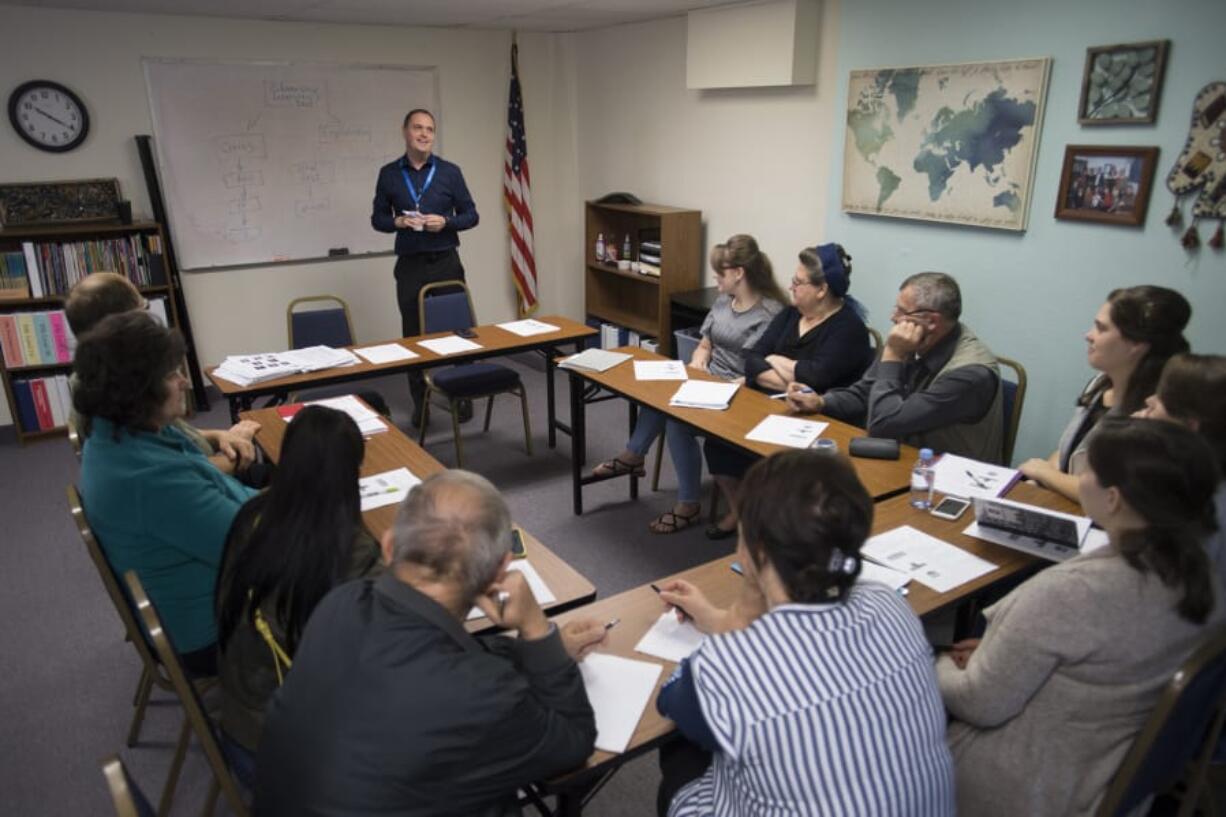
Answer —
413 194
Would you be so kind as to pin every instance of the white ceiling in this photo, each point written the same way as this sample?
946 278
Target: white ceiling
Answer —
525 15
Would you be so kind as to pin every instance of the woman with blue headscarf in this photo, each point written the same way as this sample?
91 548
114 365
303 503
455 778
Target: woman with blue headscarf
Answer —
820 341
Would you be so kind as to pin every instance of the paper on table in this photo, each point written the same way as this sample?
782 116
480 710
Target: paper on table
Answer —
388 488
528 327
891 578
540 590
386 353
369 422
925 558
968 478
659 370
704 394
793 432
619 690
594 360
449 345
670 639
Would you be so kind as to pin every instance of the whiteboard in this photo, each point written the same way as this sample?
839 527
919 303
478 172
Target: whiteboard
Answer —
266 162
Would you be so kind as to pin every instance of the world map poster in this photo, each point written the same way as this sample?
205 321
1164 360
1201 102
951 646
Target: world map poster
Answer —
952 143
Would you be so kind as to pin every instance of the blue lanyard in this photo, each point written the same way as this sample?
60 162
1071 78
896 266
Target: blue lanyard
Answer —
413 194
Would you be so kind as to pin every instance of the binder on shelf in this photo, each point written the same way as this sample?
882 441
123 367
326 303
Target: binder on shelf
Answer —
24 398
10 342
42 404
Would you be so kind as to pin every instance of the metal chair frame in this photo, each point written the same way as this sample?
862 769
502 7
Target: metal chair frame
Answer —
1019 401
127 797
289 314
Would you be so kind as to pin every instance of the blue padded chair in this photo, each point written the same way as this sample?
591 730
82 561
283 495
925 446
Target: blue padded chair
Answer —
1178 740
128 798
446 306
327 326
1014 400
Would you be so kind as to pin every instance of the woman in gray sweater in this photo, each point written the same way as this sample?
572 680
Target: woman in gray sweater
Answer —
1073 661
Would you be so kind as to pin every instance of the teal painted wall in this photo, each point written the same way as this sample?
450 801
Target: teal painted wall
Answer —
1032 295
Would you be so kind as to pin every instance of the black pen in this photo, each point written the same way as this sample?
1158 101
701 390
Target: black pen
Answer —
611 623
684 615
655 588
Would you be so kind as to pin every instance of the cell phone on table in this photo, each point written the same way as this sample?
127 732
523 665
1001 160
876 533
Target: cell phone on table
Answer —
466 333
518 550
951 507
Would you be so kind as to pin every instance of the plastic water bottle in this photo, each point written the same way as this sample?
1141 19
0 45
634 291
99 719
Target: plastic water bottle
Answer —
922 477
600 247
626 248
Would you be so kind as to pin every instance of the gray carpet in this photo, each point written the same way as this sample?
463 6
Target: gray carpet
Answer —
68 677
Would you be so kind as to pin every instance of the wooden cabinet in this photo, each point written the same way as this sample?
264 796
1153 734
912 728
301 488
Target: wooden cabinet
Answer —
631 299
61 256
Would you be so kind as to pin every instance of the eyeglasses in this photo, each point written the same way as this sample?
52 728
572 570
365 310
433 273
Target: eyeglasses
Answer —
799 282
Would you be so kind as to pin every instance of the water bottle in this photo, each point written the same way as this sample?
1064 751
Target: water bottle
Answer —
922 477
626 248
600 247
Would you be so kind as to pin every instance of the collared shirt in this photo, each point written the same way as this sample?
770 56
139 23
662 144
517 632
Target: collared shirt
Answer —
159 507
899 399
393 708
447 196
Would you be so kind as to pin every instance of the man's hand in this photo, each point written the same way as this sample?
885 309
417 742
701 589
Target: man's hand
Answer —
510 604
904 339
434 222
803 399
405 221
582 636
245 428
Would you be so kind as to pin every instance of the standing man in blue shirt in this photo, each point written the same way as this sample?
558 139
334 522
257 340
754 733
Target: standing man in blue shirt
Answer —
424 201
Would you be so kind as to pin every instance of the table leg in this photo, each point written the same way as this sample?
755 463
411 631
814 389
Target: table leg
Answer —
633 411
550 369
578 439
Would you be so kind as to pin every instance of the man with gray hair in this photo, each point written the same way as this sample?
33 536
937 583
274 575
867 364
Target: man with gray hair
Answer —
935 384
392 707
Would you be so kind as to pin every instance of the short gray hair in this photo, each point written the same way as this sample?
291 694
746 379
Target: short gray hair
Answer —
456 525
936 291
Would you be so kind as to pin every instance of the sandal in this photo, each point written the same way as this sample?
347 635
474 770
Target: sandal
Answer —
669 522
715 532
617 467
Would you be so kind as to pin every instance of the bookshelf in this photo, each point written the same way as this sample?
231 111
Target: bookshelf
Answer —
62 255
632 299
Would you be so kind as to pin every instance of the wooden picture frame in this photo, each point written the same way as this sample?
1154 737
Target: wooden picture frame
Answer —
1122 84
1109 184
28 204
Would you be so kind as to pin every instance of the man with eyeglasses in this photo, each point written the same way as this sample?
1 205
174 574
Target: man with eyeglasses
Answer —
935 385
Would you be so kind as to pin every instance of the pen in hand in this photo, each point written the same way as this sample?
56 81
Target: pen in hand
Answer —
684 615
503 596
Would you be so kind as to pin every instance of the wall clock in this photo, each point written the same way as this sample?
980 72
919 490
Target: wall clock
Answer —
48 116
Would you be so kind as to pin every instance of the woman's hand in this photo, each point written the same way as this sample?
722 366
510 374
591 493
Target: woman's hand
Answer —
962 651
691 603
1038 470
701 359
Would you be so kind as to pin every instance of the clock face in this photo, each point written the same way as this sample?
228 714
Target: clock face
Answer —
48 116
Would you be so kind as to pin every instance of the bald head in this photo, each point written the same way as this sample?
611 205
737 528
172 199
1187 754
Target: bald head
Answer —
97 296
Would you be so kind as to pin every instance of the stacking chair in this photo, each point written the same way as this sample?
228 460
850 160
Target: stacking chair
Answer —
1014 395
326 325
74 438
128 798
1180 736
152 674
195 718
451 310
874 339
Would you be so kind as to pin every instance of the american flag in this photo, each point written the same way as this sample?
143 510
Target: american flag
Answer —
517 193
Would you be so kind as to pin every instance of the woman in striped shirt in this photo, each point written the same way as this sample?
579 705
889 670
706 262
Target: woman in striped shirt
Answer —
815 694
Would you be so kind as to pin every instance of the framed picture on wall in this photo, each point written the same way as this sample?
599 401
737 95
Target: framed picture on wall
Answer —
1109 184
1122 83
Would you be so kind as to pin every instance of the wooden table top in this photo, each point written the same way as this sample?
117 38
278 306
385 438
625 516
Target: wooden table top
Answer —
882 478
639 608
493 341
391 450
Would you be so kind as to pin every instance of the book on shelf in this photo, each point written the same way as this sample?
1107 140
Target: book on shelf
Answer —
14 282
53 267
36 338
612 336
43 403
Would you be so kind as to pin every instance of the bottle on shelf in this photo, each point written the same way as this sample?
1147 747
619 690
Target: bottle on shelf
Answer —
626 247
600 247
922 479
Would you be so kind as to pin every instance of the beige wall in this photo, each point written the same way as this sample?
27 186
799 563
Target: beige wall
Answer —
98 55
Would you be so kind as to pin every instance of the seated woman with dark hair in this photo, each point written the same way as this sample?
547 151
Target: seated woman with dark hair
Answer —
813 692
1192 393
287 548
820 342
1072 662
157 505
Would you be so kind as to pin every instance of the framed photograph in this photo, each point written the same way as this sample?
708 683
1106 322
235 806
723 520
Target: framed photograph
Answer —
1106 183
1122 83
31 204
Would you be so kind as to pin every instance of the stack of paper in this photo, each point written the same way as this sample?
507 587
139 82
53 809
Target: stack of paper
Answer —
388 488
670 639
449 345
619 690
925 558
540 590
969 478
246 370
660 370
704 394
779 429
386 353
528 327
594 360
369 422
318 358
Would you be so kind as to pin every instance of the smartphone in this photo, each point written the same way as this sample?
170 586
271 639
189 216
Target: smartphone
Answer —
466 333
951 507
518 551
